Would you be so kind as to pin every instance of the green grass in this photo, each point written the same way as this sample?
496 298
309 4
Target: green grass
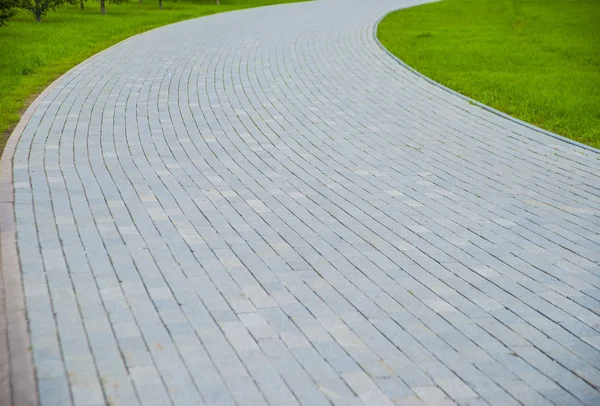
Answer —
33 54
537 60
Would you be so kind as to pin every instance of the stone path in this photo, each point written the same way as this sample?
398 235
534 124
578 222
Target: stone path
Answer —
263 207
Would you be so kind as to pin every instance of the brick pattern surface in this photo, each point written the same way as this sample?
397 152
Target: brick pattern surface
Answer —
263 207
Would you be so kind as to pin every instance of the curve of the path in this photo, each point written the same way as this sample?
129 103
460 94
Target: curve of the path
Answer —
263 207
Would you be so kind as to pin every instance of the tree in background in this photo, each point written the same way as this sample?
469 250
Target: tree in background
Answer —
7 10
103 4
39 8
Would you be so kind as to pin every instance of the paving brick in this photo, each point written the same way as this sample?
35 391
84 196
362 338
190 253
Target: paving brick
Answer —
270 212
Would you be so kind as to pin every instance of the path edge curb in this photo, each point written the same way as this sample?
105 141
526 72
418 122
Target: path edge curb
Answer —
22 379
472 101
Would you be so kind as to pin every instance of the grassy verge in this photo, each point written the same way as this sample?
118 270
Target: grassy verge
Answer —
33 54
537 60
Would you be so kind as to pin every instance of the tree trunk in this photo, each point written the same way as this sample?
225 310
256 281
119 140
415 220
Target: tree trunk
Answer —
81 4
218 2
38 15
102 7
160 4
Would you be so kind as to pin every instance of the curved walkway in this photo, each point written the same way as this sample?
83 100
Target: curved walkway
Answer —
263 207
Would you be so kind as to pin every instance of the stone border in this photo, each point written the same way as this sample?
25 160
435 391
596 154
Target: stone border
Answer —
19 371
475 102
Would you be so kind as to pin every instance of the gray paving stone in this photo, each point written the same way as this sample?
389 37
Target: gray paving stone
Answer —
263 207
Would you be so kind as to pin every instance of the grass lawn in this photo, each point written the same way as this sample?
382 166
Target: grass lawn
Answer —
33 54
537 60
